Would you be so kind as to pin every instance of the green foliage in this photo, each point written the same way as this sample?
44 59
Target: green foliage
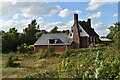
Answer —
10 40
54 30
66 53
92 45
29 33
42 54
10 62
100 45
99 64
38 34
24 48
45 74
114 30
74 52
49 52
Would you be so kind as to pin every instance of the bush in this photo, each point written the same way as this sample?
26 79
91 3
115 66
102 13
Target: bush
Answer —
42 54
50 51
46 53
66 53
31 47
46 74
24 48
100 45
73 52
10 62
92 45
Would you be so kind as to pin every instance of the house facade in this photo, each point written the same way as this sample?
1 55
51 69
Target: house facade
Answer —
80 36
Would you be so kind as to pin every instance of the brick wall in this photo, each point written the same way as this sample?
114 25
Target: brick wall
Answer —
57 48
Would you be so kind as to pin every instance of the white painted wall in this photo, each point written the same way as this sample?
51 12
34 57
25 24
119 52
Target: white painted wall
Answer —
83 33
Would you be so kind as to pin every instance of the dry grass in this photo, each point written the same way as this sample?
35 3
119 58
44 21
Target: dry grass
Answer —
28 65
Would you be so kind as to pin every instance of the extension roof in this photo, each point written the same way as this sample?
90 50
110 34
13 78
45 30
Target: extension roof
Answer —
43 40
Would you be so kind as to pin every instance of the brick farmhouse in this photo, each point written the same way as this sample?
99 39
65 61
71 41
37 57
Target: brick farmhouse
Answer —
80 36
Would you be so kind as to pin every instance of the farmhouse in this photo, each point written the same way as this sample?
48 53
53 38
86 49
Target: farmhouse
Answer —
80 36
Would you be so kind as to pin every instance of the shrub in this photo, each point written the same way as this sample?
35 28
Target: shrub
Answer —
10 62
24 48
42 54
66 53
46 74
100 45
50 51
46 53
92 45
31 47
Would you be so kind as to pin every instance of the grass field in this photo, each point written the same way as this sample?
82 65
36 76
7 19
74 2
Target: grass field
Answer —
99 62
29 64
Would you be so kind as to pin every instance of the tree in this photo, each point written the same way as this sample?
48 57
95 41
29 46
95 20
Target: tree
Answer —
54 30
113 30
30 32
10 40
115 34
38 34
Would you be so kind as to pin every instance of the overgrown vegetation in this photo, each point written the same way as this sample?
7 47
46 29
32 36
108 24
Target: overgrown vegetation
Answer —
98 64
24 48
49 52
11 62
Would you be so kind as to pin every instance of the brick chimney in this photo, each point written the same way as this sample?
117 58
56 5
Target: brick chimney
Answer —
89 22
76 33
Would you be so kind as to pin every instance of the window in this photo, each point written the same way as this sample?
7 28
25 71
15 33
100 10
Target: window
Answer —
96 39
70 34
80 30
51 41
59 41
90 39
55 41
72 29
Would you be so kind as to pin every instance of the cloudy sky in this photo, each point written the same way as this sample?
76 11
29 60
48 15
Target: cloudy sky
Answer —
50 14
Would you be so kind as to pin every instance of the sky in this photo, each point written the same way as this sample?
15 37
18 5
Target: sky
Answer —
60 14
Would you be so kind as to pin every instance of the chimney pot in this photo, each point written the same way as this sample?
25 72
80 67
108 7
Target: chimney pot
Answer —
75 18
89 22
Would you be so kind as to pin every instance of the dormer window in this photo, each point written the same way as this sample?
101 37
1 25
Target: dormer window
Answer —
54 41
51 41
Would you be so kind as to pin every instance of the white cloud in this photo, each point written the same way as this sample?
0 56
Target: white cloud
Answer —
39 19
61 26
96 15
100 28
115 15
93 5
20 25
96 4
66 12
29 9
97 25
16 16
